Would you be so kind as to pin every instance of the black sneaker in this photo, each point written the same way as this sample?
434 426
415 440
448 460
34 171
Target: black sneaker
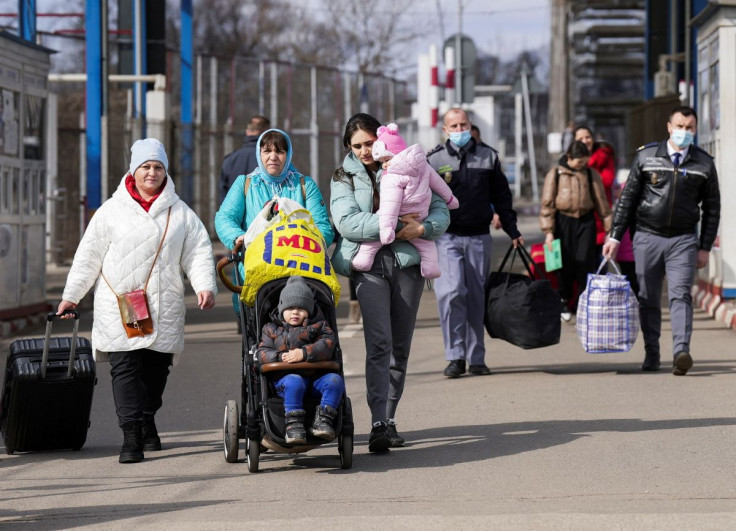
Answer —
455 369
397 441
379 441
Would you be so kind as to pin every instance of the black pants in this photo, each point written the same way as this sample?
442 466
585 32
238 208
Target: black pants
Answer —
577 242
138 382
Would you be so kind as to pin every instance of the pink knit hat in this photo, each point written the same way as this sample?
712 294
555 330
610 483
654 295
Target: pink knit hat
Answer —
389 142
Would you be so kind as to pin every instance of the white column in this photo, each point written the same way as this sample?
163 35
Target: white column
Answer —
449 77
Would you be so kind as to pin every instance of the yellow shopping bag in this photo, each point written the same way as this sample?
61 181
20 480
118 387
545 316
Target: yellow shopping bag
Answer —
291 246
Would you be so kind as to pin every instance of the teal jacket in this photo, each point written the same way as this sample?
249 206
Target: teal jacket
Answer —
237 212
351 205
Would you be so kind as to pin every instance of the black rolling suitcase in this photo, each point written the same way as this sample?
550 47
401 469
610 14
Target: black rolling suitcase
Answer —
47 392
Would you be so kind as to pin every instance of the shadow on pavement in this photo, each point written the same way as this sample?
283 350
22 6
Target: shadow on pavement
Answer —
64 518
451 445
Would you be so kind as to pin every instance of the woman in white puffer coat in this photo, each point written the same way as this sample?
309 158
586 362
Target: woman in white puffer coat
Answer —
118 252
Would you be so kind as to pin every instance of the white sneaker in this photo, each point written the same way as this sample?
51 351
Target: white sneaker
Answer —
566 316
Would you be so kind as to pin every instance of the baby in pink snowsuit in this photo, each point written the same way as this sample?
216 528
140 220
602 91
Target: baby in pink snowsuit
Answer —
407 184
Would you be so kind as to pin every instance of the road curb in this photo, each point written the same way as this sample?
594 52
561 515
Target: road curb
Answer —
707 296
13 327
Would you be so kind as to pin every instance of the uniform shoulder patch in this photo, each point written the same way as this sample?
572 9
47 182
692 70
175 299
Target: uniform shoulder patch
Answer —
650 144
435 149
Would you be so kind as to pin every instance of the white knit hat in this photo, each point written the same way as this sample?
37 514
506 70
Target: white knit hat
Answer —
147 149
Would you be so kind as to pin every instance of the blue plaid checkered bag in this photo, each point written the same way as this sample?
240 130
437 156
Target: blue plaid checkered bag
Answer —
608 313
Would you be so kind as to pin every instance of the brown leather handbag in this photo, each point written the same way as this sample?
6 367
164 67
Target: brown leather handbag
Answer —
134 310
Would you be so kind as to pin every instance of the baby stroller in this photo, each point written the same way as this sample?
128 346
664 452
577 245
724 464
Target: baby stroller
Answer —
259 418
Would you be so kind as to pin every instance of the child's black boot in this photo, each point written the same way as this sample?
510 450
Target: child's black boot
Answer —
324 423
295 432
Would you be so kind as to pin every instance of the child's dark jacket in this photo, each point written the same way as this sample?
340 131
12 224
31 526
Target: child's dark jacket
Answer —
316 338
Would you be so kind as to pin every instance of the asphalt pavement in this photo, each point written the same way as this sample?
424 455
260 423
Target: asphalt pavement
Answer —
555 438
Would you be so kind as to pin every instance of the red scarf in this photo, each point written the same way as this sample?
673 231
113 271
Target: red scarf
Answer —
133 191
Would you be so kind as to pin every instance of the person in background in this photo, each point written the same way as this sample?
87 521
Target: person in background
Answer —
244 160
568 135
475 133
389 293
473 172
144 236
603 160
672 188
572 192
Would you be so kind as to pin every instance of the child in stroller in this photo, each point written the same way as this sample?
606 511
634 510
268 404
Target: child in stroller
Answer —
298 333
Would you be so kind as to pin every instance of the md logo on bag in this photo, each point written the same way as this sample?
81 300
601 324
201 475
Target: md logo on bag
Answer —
297 242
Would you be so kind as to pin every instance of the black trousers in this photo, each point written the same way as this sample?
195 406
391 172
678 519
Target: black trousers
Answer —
577 242
138 382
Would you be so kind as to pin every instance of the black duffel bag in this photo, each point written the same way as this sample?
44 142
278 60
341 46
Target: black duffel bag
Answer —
521 309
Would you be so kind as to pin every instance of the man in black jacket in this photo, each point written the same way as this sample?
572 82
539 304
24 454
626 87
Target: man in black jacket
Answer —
244 160
672 186
473 173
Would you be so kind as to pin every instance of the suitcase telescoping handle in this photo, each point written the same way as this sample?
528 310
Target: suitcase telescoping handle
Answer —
45 358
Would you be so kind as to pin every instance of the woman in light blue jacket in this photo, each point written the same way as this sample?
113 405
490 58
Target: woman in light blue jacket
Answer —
275 176
394 282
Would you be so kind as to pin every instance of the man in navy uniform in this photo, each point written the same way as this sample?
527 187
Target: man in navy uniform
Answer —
673 185
473 173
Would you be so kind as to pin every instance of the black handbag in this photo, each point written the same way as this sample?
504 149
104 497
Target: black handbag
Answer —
521 309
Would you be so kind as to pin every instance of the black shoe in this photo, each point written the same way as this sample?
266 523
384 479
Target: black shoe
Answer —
379 441
479 370
151 440
651 363
295 432
455 369
397 441
132 449
683 362
324 420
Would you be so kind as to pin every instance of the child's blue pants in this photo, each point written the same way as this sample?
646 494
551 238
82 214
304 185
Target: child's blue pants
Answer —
293 387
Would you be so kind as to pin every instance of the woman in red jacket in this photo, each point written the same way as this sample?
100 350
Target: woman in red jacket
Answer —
602 160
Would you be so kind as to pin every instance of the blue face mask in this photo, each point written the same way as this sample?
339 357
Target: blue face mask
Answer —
460 138
681 138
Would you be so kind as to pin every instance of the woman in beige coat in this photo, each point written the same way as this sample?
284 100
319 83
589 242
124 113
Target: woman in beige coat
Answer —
572 192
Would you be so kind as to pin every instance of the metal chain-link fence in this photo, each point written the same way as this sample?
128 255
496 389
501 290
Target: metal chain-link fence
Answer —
310 103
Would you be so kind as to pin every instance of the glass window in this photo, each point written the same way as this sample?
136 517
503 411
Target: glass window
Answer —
33 133
14 192
9 122
41 192
715 103
25 192
4 191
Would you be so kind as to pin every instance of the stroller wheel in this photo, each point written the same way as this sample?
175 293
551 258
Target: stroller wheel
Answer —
346 451
254 449
230 431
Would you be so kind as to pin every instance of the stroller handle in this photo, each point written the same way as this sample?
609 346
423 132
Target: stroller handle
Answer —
233 256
